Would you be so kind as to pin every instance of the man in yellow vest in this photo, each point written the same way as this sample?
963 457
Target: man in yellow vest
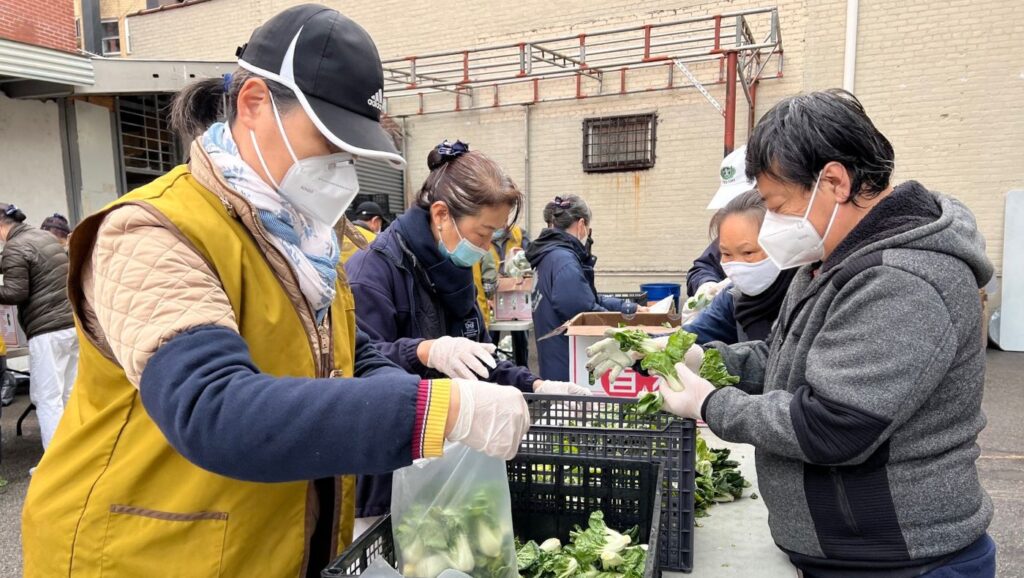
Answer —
224 397
369 223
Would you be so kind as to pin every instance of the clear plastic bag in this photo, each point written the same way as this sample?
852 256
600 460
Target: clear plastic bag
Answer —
454 512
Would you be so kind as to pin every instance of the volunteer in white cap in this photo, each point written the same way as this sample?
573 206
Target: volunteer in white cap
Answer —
706 277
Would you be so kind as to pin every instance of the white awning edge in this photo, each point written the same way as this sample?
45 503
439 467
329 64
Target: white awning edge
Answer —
25 61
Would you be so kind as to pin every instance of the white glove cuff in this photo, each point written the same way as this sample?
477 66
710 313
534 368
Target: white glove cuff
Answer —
466 406
438 349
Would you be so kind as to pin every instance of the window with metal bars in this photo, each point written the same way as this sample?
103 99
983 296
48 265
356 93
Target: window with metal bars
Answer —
619 143
111 41
149 148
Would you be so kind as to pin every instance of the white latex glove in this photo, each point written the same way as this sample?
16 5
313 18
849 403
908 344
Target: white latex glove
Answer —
694 358
560 388
687 403
458 357
606 355
492 418
708 291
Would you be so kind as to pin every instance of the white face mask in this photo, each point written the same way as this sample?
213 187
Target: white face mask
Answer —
751 278
792 241
320 187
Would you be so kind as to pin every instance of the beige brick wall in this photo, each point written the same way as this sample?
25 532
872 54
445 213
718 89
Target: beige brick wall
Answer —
943 81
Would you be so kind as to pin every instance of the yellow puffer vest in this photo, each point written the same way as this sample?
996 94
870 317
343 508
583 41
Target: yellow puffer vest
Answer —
514 240
112 498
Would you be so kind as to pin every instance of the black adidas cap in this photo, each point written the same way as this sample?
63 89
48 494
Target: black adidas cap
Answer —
332 65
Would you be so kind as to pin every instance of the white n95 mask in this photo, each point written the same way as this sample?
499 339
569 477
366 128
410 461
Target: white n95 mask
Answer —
320 187
792 241
752 279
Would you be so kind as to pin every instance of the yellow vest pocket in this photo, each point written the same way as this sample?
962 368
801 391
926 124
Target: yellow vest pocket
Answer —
141 542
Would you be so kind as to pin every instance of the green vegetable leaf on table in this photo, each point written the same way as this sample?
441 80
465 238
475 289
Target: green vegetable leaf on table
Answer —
596 551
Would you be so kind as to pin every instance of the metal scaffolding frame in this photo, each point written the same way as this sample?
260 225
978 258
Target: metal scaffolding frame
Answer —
605 58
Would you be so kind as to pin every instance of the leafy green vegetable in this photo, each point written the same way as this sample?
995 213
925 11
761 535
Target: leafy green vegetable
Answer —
432 540
713 369
718 479
596 551
698 303
662 363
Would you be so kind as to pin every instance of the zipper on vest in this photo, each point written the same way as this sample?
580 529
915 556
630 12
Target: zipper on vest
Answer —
324 339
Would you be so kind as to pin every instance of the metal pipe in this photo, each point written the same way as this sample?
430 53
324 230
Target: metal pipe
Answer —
850 58
526 167
730 102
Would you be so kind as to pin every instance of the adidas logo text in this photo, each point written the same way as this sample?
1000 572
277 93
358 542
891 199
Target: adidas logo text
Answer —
377 100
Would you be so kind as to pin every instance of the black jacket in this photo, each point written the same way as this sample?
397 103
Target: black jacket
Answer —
706 268
35 270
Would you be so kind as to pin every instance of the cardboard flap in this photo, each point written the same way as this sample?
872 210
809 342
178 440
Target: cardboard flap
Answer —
599 322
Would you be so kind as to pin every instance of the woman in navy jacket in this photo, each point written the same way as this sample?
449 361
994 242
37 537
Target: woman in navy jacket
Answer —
564 280
414 290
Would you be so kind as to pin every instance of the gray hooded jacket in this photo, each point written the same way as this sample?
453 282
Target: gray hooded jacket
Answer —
865 402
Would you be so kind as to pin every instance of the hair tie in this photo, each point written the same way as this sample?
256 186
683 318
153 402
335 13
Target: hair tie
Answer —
450 151
227 82
561 203
10 210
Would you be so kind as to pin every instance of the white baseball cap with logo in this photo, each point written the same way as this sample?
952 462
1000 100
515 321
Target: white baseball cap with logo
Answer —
733 177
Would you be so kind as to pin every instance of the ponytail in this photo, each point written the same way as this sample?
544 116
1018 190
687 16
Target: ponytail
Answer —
202 103
11 214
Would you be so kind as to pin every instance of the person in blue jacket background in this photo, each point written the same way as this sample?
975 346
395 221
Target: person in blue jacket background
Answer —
563 266
747 310
414 291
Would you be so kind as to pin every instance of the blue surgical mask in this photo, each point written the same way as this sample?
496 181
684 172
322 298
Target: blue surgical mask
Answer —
466 254
498 235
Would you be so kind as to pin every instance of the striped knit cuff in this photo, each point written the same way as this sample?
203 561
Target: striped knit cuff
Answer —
431 417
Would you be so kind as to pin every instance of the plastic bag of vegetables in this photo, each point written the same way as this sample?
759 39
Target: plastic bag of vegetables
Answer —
454 512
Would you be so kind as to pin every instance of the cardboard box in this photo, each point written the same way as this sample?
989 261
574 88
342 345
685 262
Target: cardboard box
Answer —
513 300
586 329
12 334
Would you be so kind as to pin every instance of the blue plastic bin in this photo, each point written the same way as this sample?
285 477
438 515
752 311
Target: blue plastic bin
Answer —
659 291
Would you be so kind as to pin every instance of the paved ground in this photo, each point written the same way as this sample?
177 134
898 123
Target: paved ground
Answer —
1001 466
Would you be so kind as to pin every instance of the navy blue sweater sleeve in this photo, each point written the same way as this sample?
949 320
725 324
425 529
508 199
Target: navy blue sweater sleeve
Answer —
508 373
716 322
215 408
611 303
706 269
375 316
369 361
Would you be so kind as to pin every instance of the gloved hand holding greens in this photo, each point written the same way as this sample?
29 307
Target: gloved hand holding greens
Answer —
594 552
662 362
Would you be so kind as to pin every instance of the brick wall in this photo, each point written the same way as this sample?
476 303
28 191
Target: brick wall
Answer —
943 81
47 23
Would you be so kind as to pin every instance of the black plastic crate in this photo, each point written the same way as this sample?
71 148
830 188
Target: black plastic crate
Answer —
603 427
550 496
638 297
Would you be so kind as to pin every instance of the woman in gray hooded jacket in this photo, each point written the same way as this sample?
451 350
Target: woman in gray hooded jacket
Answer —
864 403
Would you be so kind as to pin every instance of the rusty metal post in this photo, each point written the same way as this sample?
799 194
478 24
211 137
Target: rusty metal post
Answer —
730 101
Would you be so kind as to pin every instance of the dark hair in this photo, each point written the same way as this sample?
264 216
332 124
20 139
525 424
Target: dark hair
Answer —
562 212
57 224
11 214
749 204
467 182
202 103
801 134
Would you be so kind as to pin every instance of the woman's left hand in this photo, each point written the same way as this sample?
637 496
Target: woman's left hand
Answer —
687 403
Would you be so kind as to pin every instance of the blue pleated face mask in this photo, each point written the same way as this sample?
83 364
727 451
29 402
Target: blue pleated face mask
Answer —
466 254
